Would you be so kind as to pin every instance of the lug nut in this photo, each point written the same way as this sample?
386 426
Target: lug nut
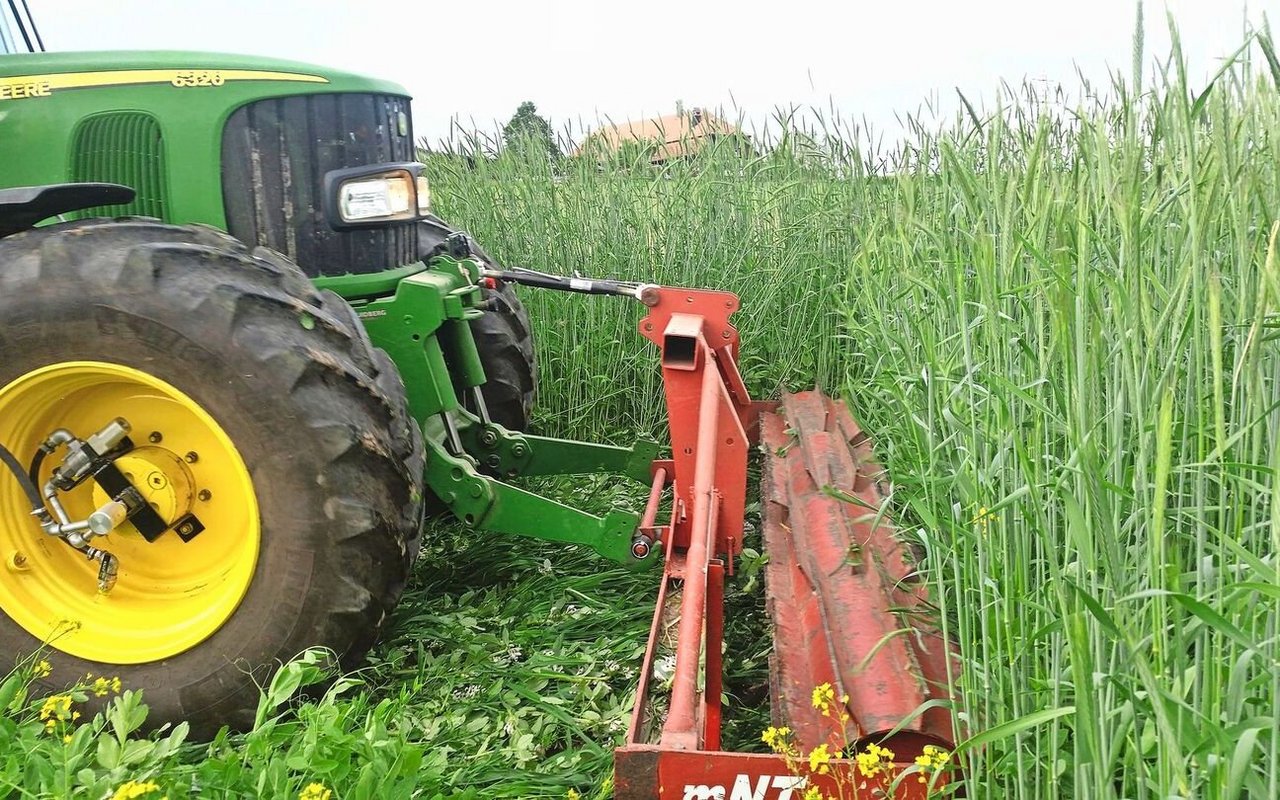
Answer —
205 495
18 562
488 438
191 457
155 438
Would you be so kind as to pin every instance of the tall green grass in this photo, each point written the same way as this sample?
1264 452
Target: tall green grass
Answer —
1065 317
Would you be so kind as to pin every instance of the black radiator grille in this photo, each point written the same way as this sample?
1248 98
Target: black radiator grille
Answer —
275 154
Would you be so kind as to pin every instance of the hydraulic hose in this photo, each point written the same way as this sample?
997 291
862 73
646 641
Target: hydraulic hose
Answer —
28 487
33 473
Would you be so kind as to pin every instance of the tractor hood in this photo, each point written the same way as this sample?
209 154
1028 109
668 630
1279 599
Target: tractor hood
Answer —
46 73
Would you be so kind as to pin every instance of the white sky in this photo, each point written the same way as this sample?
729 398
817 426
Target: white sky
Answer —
584 61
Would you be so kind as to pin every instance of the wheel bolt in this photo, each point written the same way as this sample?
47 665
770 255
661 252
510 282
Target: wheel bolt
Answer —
205 495
192 457
155 438
18 562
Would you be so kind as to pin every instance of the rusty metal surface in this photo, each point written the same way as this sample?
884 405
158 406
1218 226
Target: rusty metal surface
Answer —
848 607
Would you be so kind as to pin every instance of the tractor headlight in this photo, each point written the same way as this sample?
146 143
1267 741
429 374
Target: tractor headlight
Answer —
424 195
379 194
380 198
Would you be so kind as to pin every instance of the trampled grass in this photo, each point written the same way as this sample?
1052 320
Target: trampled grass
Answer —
1058 323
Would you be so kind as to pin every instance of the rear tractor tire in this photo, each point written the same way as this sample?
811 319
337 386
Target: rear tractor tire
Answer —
256 404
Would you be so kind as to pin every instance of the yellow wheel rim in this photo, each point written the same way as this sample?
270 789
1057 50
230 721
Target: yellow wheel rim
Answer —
171 595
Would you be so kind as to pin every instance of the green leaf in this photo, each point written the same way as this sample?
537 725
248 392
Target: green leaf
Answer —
108 752
1241 759
1013 727
9 690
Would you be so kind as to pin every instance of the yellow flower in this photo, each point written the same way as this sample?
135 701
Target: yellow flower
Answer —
823 697
131 789
66 739
55 709
103 686
983 518
874 760
819 757
315 791
813 793
939 756
42 669
777 738
572 794
933 759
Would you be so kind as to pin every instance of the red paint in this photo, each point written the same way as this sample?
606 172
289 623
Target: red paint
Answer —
656 774
842 589
835 620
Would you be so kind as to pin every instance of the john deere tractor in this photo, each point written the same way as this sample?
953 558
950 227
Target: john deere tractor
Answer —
222 466
241 365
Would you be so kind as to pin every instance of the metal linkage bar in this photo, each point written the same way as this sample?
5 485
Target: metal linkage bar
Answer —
565 283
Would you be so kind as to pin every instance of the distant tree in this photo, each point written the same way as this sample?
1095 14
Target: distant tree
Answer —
528 132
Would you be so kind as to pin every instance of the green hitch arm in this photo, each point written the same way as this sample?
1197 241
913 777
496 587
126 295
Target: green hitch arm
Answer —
484 502
510 453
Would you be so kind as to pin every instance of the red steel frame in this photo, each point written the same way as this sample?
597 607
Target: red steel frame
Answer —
714 423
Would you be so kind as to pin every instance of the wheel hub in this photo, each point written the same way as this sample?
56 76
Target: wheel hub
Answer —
171 593
162 478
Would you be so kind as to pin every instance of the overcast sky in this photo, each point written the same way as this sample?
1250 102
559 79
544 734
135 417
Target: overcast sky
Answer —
584 61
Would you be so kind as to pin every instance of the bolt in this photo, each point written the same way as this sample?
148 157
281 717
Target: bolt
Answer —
205 495
18 562
192 457
488 438
519 449
494 460
640 547
186 528
476 490
156 481
725 334
156 437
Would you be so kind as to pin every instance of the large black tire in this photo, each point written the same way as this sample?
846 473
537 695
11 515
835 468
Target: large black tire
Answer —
318 416
505 342
503 336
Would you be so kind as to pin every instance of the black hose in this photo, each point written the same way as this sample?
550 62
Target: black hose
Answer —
28 486
33 472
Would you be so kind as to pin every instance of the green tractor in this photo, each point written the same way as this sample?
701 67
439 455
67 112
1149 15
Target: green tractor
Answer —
242 367
207 368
